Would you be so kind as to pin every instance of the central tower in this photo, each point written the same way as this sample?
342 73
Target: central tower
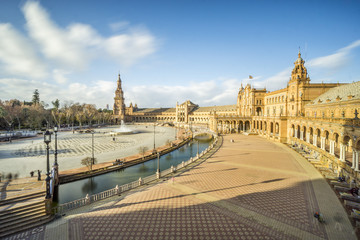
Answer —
298 88
119 102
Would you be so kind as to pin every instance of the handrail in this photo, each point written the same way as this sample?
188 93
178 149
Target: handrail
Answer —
60 209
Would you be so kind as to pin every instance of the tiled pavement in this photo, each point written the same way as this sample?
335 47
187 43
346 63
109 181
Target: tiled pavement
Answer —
250 189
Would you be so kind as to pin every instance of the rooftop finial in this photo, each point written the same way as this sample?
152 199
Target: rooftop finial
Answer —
299 52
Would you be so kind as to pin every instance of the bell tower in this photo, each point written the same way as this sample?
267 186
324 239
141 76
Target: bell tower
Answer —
299 73
119 102
297 87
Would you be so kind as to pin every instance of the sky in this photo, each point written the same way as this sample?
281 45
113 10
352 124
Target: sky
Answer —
171 51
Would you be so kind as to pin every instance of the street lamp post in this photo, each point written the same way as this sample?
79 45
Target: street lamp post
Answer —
92 143
47 140
175 131
197 148
154 138
158 165
55 154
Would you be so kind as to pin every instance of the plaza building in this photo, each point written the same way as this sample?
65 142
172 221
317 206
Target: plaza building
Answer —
319 117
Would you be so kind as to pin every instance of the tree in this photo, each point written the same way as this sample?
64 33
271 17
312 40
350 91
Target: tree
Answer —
88 162
142 150
56 104
79 114
36 97
56 112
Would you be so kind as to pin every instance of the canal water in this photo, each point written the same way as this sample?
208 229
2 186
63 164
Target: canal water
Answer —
75 190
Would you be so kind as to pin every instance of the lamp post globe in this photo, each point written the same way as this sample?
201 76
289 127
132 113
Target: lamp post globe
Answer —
47 140
47 137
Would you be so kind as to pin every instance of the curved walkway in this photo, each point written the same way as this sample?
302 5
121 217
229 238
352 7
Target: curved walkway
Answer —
250 189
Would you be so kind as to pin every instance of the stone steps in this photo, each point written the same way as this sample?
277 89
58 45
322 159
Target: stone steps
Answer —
22 198
18 215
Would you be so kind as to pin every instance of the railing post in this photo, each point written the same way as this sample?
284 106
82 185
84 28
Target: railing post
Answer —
117 190
172 169
140 181
87 199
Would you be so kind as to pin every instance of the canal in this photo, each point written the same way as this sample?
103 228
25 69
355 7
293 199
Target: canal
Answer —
75 190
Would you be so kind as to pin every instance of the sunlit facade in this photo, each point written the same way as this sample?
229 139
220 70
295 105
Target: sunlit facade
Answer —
319 117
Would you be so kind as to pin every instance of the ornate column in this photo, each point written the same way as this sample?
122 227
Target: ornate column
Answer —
296 133
332 147
308 137
356 160
341 149
342 152
315 140
353 165
323 143
302 135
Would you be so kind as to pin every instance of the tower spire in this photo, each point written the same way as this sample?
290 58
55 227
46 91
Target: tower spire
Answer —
119 82
119 101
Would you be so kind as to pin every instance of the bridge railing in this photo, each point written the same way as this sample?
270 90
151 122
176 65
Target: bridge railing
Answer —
62 208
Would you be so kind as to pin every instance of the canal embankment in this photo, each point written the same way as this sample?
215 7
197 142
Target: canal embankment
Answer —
98 169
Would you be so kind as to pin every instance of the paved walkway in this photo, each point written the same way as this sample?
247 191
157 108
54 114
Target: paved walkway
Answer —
250 189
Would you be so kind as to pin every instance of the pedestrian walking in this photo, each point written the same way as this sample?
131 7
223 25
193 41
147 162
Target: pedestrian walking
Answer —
39 175
31 173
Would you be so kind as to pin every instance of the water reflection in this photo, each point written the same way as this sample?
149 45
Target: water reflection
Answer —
76 190
143 168
89 186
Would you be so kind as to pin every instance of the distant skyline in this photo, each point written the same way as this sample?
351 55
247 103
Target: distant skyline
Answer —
171 51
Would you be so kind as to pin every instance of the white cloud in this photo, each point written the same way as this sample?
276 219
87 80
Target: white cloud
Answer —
336 60
119 25
17 54
206 93
59 75
22 89
278 81
128 48
54 42
332 61
96 92
78 44
83 34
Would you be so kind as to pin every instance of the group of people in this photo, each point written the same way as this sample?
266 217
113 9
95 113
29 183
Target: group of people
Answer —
118 162
38 172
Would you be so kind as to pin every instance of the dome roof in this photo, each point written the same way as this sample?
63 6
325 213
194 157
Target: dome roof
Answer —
299 60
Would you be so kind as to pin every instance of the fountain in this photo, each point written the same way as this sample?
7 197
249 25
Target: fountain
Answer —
123 130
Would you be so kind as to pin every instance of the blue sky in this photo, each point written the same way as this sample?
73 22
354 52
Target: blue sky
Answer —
169 51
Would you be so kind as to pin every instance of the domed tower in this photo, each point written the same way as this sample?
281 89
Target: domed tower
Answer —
119 102
298 88
299 73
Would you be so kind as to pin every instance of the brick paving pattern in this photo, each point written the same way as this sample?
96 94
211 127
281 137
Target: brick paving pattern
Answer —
249 189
